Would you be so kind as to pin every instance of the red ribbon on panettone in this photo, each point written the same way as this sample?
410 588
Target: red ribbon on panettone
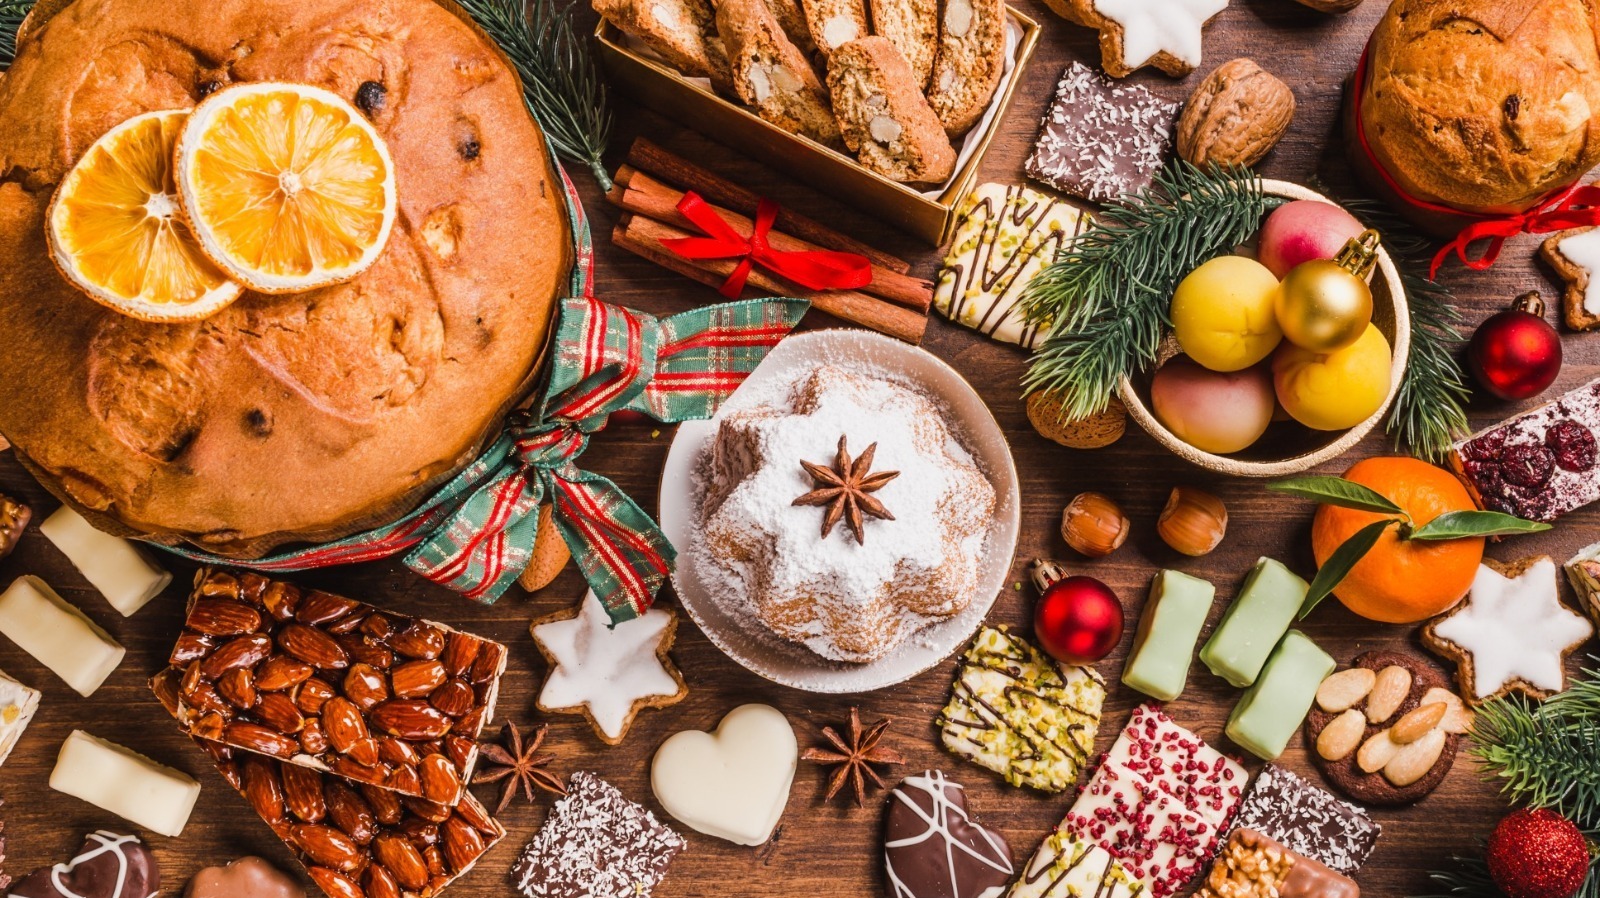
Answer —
1570 207
813 269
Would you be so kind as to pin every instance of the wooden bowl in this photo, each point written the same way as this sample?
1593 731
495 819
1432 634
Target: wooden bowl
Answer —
1289 447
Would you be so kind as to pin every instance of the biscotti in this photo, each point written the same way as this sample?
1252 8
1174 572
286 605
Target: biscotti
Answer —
771 74
792 19
884 118
913 27
970 61
834 23
683 32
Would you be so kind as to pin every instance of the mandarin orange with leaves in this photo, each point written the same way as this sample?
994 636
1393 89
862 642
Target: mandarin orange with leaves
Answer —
1401 581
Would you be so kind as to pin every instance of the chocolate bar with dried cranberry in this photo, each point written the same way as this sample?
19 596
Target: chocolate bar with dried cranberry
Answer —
322 681
1540 464
354 839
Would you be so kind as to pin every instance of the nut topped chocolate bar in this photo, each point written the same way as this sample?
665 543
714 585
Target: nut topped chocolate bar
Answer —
1540 464
326 682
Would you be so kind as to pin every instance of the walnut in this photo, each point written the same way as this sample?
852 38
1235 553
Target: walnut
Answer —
1093 432
1236 115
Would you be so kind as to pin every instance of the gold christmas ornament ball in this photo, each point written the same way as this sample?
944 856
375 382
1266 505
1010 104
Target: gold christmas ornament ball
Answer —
1325 305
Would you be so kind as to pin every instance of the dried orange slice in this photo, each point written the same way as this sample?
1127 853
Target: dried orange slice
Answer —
287 187
116 231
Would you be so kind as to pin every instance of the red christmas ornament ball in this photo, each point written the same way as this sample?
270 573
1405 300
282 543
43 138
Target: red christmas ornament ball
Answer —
1516 354
1538 854
1078 620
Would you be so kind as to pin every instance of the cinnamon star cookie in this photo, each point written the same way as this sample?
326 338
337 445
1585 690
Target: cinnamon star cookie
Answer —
1137 33
1575 255
607 673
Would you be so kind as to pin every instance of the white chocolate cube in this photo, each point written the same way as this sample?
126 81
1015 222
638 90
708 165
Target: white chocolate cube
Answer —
58 635
111 564
125 783
17 704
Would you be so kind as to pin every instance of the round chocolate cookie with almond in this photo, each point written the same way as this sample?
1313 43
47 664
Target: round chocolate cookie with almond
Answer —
1385 730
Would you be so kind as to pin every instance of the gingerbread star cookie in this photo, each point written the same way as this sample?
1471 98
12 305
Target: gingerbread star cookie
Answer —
1512 633
607 673
1575 255
1137 33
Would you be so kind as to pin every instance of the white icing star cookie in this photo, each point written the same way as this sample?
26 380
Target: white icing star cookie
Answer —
1137 33
607 673
1512 633
1575 255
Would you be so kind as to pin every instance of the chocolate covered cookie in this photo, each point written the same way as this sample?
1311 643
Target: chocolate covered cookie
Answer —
107 866
1385 731
933 848
245 877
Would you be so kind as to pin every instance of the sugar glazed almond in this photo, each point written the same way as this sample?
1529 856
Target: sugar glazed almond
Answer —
1236 116
326 682
355 841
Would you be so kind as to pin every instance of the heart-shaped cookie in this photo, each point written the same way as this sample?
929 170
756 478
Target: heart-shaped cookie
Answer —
731 783
932 848
107 866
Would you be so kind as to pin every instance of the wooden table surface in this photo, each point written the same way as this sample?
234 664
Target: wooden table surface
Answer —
834 851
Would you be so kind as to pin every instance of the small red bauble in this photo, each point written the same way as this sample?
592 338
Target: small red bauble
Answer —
1516 354
1537 854
1078 620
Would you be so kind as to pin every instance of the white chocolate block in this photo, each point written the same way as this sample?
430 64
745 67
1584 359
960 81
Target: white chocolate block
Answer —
57 634
125 783
111 564
17 704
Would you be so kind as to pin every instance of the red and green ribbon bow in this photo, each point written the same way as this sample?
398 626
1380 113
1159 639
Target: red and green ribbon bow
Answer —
814 269
476 533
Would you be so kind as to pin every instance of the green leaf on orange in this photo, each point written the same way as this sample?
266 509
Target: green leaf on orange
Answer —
1467 524
1339 564
1336 491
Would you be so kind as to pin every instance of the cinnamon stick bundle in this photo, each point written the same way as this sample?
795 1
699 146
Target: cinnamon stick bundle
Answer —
646 155
642 236
638 192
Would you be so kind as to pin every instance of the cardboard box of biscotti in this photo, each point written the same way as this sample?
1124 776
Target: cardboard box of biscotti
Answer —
922 211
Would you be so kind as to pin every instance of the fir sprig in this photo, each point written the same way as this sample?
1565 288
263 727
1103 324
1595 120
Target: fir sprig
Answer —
1105 296
1546 754
560 81
12 12
1468 877
1428 412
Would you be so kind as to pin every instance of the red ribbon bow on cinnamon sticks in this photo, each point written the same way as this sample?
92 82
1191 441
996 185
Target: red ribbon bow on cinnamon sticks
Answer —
813 269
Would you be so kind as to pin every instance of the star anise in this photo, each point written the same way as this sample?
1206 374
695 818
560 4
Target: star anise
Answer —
855 757
519 765
844 490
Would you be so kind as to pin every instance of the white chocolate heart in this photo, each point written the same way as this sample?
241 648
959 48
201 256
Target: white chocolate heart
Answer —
732 783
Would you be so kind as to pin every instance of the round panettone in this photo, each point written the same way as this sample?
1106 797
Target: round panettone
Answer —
1484 105
292 418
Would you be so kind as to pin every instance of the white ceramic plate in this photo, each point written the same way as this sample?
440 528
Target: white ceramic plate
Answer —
746 640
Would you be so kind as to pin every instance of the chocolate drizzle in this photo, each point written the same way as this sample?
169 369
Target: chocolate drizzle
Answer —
107 866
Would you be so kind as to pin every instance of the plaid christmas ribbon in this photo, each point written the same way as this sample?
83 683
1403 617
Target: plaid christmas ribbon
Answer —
476 533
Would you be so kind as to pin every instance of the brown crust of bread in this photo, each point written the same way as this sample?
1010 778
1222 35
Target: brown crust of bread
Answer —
655 701
1577 278
1438 108
1372 788
1465 671
281 419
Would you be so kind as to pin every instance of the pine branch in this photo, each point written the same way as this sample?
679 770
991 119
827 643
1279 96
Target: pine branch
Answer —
560 82
1468 878
1546 755
1105 297
12 12
1428 414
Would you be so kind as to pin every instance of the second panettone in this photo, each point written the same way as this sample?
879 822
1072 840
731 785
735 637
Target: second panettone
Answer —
1483 105
287 418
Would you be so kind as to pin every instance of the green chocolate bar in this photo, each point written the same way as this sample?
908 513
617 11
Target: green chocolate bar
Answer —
1273 709
1164 646
1267 604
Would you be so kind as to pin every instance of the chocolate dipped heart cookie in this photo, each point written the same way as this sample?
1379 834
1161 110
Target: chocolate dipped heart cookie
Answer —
1385 730
107 866
933 848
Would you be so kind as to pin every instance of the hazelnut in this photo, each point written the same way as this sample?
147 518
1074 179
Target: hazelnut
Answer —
1194 521
1094 525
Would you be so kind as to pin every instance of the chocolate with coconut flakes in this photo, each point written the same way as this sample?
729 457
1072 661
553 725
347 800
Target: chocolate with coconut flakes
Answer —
1100 138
